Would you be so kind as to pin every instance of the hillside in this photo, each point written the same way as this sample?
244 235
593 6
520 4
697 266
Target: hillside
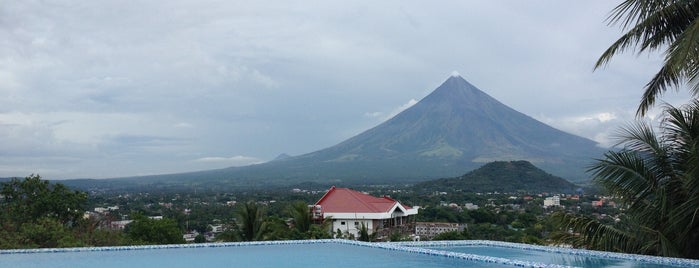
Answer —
503 177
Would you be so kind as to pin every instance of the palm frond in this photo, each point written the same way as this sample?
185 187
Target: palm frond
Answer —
656 175
667 77
590 233
653 25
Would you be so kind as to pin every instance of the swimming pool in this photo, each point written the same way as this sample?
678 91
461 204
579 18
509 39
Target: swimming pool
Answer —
319 253
554 255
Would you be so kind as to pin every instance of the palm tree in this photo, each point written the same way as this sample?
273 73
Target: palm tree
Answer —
251 221
656 177
364 234
672 25
302 216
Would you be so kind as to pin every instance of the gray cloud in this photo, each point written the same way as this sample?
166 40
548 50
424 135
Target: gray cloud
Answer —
108 88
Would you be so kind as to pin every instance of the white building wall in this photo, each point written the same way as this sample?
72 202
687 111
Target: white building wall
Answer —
353 221
352 226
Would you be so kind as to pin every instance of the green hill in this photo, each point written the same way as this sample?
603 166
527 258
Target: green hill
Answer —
501 176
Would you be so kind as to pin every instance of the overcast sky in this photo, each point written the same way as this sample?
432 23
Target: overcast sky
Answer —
105 89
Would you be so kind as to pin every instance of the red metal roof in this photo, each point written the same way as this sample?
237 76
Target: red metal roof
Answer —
346 200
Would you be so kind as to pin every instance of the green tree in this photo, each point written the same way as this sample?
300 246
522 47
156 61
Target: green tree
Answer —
200 238
656 176
32 199
489 231
451 235
102 237
276 228
230 235
652 25
35 213
144 230
251 221
301 215
398 236
364 234
319 231
338 234
482 215
48 233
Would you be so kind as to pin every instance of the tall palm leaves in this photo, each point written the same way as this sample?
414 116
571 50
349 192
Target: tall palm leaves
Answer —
657 179
301 214
653 25
251 221
302 217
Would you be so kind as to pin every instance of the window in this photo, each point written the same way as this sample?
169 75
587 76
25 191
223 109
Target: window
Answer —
342 223
356 223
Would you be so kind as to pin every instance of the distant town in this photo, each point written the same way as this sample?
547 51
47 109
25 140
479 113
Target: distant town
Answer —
439 215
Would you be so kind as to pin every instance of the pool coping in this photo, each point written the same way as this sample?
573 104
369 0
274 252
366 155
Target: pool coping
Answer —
411 247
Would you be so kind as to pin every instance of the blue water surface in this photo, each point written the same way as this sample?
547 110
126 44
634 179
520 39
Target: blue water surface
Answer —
287 255
334 253
550 257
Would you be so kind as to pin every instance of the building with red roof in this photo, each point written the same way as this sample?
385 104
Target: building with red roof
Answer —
349 209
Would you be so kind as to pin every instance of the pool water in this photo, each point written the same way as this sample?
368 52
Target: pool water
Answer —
550 257
286 255
333 253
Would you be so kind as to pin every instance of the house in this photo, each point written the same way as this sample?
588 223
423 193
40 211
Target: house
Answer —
598 203
349 210
553 201
470 206
218 228
431 229
190 236
119 225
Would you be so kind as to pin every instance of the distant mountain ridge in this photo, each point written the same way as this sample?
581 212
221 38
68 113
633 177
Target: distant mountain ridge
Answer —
503 177
453 130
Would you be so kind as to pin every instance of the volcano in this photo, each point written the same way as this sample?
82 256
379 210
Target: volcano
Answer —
455 129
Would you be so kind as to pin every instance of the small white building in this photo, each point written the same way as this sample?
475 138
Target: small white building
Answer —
431 229
470 206
349 209
553 201
119 225
218 228
190 237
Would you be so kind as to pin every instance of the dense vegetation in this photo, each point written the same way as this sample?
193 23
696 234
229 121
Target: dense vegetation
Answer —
245 215
35 213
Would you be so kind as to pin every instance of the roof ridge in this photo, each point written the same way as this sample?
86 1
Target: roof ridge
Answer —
332 189
354 195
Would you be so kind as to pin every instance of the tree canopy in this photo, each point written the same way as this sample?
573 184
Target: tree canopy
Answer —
36 213
32 198
250 219
656 176
145 230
